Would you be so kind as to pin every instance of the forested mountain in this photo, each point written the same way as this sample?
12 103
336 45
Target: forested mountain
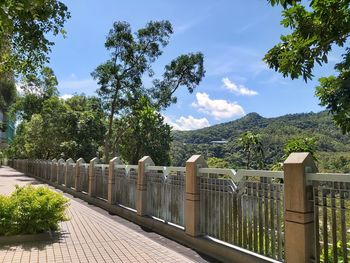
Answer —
333 147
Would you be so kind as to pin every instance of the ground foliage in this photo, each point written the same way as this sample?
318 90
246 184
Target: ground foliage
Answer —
31 210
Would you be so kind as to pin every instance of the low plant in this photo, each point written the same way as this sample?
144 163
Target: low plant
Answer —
30 210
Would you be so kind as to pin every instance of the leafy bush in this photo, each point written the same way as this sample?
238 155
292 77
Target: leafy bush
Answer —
30 210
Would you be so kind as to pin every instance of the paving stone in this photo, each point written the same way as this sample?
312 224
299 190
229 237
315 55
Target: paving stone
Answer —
92 235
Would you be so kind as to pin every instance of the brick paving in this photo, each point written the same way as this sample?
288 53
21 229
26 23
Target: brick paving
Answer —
92 235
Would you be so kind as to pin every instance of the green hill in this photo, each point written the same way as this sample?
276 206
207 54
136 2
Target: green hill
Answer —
333 147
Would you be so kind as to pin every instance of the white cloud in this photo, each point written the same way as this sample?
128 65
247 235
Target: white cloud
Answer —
187 123
220 109
66 96
238 89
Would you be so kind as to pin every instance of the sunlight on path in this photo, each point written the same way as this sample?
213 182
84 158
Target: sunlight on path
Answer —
89 236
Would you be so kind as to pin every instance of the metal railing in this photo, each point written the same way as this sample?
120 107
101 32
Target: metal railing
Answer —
60 171
84 177
125 185
71 175
331 201
101 172
165 193
244 208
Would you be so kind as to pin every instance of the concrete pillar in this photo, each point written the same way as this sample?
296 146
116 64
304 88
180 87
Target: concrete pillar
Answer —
111 179
141 193
77 183
92 179
68 162
299 213
192 197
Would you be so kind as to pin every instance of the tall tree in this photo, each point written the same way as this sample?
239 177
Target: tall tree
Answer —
143 132
316 28
131 57
74 126
8 91
24 29
253 148
300 144
35 89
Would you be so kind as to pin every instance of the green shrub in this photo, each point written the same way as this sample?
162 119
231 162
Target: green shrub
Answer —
31 210
6 210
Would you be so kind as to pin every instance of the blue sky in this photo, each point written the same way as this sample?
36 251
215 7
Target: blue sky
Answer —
233 35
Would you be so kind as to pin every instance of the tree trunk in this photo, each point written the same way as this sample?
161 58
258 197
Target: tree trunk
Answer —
109 132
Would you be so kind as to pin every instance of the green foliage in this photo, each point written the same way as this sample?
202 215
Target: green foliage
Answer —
334 94
252 147
24 29
186 71
131 58
31 210
214 162
142 133
300 144
331 145
36 90
7 92
315 30
334 161
74 126
331 250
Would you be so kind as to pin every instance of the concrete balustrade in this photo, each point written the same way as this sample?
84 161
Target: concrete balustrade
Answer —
298 214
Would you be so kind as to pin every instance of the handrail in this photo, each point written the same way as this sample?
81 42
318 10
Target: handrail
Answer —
166 169
261 173
101 165
328 177
125 166
240 174
229 172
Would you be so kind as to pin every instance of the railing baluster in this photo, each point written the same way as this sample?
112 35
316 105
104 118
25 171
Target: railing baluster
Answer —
325 224
255 214
343 222
334 223
272 219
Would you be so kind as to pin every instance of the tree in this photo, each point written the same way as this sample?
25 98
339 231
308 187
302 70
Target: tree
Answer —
300 144
35 90
8 94
214 162
86 127
143 132
24 29
253 148
75 126
316 28
131 57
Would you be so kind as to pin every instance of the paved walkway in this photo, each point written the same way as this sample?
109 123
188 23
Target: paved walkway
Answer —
92 235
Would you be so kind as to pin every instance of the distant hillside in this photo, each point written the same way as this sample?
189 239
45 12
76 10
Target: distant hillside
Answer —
275 133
